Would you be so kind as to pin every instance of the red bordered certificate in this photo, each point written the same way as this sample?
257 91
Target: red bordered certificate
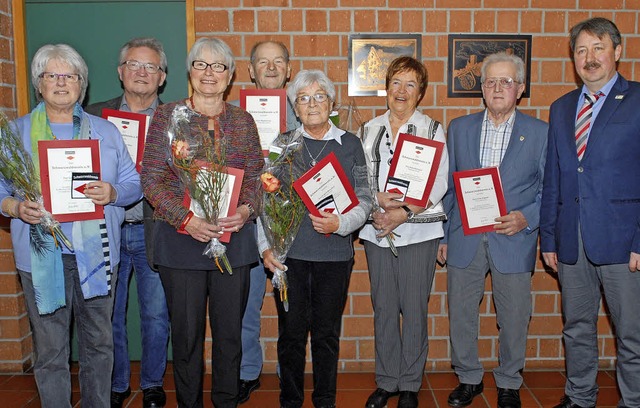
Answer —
228 202
325 187
413 168
133 128
269 110
480 198
66 166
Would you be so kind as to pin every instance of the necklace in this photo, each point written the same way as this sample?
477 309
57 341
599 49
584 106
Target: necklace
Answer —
193 106
388 143
314 160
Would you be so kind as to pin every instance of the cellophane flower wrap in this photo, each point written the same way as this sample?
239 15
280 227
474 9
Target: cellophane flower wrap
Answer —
16 166
283 210
200 163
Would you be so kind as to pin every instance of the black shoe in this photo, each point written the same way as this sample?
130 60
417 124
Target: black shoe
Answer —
464 394
118 398
379 398
153 397
408 399
566 402
508 398
246 388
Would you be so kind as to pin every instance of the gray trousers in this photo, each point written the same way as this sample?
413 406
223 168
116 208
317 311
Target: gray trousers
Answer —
581 295
512 299
401 286
51 343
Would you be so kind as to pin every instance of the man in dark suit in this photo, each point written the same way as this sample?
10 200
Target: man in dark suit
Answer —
503 137
142 70
590 216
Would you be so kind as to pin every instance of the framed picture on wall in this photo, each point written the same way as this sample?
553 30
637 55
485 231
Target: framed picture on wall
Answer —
466 53
371 54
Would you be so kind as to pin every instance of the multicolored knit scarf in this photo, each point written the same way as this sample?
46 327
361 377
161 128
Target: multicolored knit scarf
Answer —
89 238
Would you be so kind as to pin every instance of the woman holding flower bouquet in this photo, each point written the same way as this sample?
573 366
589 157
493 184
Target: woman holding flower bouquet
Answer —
321 257
75 278
189 145
401 281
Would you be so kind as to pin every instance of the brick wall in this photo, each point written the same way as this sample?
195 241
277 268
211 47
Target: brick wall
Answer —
317 31
15 337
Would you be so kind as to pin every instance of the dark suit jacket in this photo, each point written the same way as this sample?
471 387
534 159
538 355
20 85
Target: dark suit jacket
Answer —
147 209
600 194
521 172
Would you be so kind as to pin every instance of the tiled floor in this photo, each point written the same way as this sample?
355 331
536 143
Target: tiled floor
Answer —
540 389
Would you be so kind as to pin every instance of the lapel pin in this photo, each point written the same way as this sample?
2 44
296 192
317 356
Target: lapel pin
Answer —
522 138
619 96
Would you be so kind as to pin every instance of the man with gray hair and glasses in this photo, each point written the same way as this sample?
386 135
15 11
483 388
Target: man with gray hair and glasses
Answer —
503 137
142 70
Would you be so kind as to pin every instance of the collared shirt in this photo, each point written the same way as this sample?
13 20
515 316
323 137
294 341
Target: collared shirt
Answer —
494 140
334 133
134 213
606 90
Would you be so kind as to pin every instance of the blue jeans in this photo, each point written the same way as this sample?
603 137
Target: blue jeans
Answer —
154 318
51 343
251 349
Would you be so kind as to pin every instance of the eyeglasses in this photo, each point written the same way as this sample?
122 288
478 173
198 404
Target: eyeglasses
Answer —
215 67
505 83
305 99
54 77
134 65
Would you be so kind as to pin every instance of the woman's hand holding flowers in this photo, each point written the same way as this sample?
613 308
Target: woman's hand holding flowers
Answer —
28 211
201 230
270 261
235 222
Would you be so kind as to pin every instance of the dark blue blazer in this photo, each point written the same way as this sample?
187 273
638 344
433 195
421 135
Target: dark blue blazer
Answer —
601 193
521 173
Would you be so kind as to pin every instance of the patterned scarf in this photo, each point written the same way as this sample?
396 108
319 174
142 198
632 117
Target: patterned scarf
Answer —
89 238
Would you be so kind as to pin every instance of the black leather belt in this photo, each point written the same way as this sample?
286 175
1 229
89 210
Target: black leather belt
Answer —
133 222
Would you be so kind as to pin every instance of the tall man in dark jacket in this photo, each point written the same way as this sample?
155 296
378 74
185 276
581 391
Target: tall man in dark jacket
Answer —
142 70
590 216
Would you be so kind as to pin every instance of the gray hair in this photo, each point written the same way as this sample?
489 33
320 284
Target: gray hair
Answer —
257 45
148 42
503 57
308 77
598 26
217 47
64 53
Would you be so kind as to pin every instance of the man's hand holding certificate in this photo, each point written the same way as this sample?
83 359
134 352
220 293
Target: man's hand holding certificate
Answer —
480 198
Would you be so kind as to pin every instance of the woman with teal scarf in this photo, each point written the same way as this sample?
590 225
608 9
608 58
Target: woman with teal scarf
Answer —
64 281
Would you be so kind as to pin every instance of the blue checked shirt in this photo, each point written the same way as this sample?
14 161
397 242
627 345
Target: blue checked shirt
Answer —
494 140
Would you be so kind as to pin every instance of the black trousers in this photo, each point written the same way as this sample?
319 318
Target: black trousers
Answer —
317 296
187 292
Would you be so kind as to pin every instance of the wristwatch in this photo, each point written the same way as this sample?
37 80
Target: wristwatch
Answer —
410 214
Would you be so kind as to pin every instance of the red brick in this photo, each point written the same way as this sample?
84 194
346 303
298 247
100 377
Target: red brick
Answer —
420 4
325 4
531 22
438 348
545 303
5 49
316 20
508 21
575 17
7 263
362 305
357 326
555 22
552 71
364 21
209 21
371 4
545 325
598 5
388 21
553 4
518 4
216 3
244 21
9 283
460 21
292 20
484 21
340 20
450 4
412 21
6 25
550 348
266 3
436 21
268 21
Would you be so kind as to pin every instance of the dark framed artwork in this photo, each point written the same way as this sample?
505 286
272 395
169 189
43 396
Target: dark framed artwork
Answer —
466 53
371 54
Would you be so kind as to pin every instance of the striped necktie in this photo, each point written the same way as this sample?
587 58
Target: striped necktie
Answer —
583 122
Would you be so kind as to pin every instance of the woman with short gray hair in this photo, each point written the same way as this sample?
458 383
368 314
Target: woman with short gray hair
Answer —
321 257
77 279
